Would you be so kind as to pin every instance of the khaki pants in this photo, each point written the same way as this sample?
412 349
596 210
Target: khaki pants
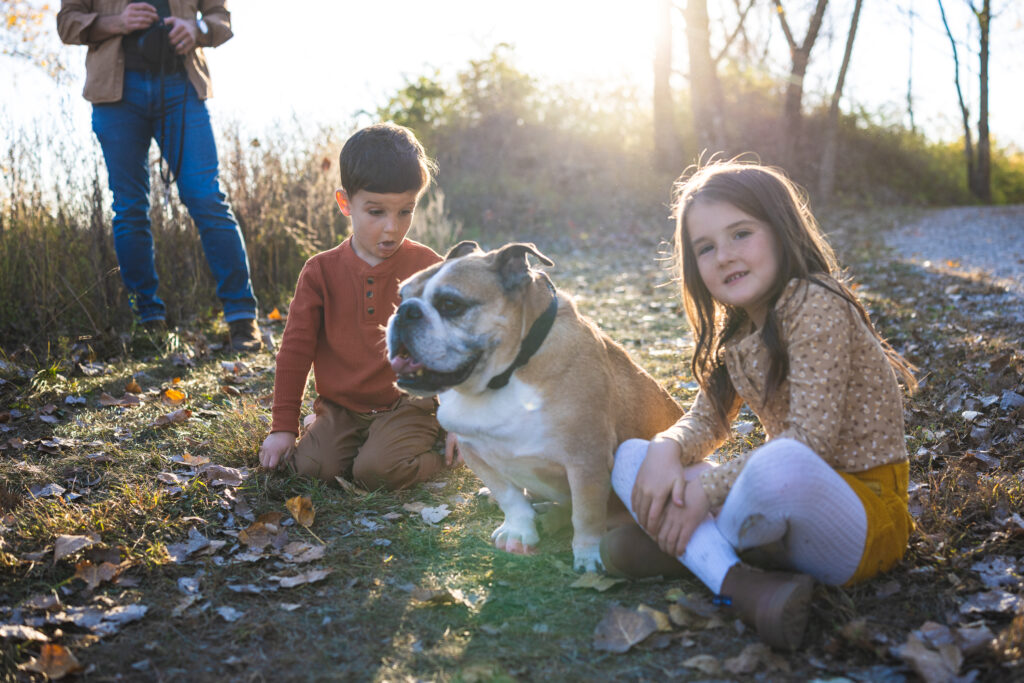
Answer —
390 449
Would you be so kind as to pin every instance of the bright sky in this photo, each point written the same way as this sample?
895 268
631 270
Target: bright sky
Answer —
324 60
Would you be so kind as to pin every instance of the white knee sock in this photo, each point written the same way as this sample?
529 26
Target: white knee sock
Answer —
787 493
708 554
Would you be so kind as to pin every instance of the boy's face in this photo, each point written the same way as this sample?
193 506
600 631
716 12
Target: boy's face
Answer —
380 221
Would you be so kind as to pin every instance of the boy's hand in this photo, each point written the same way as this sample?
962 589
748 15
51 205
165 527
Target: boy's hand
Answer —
452 455
275 447
659 484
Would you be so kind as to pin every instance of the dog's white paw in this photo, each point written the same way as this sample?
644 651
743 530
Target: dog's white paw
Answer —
518 538
587 559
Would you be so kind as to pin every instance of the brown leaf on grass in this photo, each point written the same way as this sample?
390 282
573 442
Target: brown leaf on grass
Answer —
622 628
706 664
54 662
43 601
598 582
350 488
660 618
179 552
133 387
933 666
176 417
95 574
754 657
230 390
21 632
126 400
266 530
300 552
219 475
440 596
992 601
312 576
69 545
301 508
193 460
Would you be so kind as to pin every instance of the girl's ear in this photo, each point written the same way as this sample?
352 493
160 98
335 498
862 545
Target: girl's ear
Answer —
342 197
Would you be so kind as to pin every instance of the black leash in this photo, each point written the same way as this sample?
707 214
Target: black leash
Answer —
531 343
168 176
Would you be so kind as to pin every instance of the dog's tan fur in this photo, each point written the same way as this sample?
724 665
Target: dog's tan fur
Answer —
554 429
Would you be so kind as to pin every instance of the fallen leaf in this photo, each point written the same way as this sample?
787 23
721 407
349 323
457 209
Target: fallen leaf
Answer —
69 545
992 601
229 614
185 603
311 576
21 632
660 618
174 397
596 581
55 662
219 475
753 657
622 628
179 552
933 666
47 491
440 596
301 508
176 417
194 460
133 387
95 574
351 488
704 663
414 507
127 400
433 515
266 530
299 552
274 314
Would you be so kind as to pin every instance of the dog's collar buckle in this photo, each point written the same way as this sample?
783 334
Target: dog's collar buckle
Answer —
534 338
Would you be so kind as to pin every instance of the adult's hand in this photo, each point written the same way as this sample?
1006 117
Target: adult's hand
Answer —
659 483
275 447
137 16
183 34
452 454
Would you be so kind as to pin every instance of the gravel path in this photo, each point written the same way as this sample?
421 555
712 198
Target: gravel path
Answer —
985 239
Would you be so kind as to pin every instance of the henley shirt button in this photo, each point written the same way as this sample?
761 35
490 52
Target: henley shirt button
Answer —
369 280
370 310
369 294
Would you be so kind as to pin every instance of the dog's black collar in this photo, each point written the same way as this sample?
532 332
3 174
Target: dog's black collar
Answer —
534 338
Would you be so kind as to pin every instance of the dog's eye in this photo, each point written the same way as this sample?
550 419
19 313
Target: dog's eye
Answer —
449 307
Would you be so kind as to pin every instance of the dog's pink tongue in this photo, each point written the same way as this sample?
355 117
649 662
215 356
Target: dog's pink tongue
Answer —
404 365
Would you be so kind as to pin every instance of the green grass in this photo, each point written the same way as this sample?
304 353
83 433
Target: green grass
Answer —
525 621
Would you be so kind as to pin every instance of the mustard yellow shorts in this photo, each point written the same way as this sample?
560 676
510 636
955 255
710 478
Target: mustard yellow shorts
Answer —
883 491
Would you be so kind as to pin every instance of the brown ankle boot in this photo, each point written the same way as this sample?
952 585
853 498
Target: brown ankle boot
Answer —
776 604
628 551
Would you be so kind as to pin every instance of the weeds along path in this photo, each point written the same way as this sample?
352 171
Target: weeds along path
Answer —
138 540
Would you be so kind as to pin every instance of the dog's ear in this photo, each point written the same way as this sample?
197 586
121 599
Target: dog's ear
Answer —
512 266
461 249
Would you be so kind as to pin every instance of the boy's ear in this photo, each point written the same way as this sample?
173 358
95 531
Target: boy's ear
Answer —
342 197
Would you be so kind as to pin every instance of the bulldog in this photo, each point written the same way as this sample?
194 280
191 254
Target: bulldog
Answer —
537 396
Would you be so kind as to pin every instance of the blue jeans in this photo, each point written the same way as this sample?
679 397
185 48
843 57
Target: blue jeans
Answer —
124 130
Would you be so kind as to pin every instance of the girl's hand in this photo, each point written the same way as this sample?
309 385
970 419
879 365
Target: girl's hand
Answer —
183 34
679 523
275 447
659 482
138 15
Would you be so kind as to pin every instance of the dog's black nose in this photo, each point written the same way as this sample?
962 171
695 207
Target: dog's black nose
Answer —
409 310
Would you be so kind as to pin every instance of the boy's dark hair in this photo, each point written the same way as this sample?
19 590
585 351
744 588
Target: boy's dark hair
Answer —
385 158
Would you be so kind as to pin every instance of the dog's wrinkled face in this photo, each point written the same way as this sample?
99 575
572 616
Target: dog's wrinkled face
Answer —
459 319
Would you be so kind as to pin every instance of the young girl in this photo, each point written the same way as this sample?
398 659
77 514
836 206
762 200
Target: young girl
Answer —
774 327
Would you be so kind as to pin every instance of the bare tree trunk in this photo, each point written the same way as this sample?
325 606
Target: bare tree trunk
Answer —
792 112
667 154
964 113
827 176
705 89
984 169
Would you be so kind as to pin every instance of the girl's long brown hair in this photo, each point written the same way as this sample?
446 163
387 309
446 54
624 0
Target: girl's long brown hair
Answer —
768 195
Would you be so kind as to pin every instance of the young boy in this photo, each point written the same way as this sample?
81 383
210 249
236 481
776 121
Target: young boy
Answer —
363 430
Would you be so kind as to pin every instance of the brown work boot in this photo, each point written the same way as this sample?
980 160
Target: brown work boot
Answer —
628 551
245 336
776 604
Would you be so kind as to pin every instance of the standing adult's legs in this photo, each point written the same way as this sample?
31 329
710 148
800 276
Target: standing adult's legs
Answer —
199 189
124 130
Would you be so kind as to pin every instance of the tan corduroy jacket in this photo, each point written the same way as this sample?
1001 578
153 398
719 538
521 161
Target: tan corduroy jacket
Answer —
841 397
104 63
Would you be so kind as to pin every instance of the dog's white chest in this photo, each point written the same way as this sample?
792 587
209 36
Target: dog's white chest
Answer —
511 421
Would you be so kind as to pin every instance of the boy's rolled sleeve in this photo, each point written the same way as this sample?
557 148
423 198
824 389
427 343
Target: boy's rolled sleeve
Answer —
74 21
298 347
218 20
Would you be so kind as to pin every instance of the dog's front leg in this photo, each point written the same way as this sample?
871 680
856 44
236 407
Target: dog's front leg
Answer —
590 489
518 533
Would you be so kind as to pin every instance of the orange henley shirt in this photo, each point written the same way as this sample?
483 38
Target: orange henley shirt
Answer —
336 325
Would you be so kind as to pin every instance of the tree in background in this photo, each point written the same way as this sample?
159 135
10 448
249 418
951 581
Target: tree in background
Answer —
800 54
26 26
979 160
827 172
667 148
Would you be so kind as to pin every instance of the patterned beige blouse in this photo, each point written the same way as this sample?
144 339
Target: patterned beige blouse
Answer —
841 397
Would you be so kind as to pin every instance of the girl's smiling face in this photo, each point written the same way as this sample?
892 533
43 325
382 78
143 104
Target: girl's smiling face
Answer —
737 255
